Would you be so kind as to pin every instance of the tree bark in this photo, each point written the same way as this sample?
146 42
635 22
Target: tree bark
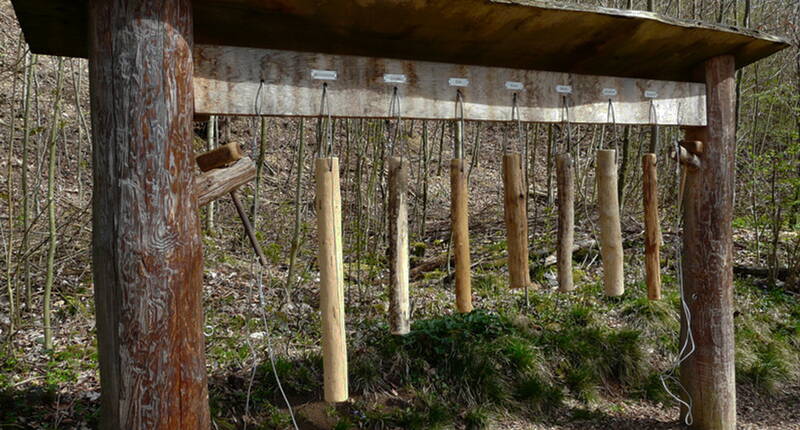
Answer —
652 228
516 218
709 373
331 273
147 253
609 223
565 172
399 272
460 229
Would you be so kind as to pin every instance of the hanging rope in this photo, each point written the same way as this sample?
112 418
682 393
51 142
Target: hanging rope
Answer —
566 120
458 148
611 116
516 121
258 269
688 346
324 126
394 134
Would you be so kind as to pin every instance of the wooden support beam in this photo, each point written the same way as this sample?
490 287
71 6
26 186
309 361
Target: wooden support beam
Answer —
399 269
709 374
516 217
609 223
219 157
459 222
216 183
328 204
229 79
146 248
652 227
565 174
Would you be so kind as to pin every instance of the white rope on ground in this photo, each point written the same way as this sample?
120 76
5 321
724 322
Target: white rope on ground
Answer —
688 346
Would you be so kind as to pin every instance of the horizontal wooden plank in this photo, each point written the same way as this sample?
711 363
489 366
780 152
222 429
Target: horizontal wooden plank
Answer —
523 34
229 79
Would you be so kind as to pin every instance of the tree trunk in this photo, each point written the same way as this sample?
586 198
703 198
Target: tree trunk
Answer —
147 254
460 230
51 206
399 309
652 228
709 373
331 273
566 221
516 221
609 223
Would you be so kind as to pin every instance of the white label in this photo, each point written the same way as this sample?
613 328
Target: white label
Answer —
390 78
610 92
515 86
458 82
651 94
324 75
564 89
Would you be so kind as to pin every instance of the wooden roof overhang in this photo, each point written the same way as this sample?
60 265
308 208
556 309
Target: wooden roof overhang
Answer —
270 47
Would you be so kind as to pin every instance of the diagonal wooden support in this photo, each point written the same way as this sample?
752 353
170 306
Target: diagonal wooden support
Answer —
225 169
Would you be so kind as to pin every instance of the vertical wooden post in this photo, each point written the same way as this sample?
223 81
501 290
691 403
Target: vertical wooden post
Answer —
516 218
146 248
459 220
610 228
709 373
399 310
652 228
566 220
328 204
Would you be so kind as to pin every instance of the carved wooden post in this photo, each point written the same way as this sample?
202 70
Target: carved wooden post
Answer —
709 373
399 309
565 175
147 254
609 223
331 273
516 218
460 229
652 228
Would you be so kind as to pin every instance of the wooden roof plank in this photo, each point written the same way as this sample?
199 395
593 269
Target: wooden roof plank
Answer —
525 34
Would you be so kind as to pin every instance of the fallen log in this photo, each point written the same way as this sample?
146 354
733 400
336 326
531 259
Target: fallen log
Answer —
783 273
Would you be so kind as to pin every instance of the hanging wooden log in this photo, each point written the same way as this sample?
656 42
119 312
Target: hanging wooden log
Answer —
609 223
216 183
709 374
652 227
328 204
516 218
686 158
146 248
565 174
459 220
399 307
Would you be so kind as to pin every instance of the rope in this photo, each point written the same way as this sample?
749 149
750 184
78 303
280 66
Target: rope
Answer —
688 347
458 149
263 314
566 120
324 126
394 112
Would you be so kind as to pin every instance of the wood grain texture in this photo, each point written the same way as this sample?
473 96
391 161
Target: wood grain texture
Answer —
565 179
652 227
709 374
228 81
609 223
147 253
399 269
219 157
516 218
328 204
217 183
525 34
459 224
